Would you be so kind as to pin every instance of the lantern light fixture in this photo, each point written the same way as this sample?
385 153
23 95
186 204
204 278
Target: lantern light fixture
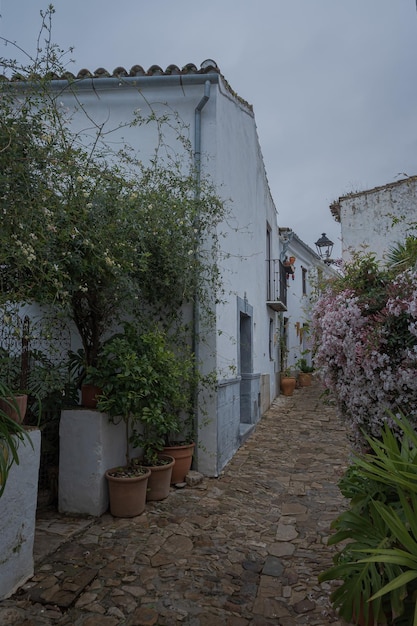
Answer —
324 248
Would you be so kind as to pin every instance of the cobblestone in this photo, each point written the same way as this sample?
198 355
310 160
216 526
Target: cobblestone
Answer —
244 549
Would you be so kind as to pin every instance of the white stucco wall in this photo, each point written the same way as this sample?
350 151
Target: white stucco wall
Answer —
17 518
231 156
241 175
298 304
377 219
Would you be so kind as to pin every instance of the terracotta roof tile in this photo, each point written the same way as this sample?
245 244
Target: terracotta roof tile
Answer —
190 68
120 71
155 70
136 70
173 69
207 66
84 74
101 73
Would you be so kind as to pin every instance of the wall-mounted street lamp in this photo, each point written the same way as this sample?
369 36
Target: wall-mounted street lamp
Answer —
324 248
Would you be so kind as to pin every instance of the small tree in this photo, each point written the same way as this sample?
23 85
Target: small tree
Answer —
147 385
92 232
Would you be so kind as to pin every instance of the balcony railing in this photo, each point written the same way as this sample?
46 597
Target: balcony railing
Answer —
276 285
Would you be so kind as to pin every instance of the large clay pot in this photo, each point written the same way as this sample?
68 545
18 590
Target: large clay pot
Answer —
160 479
15 407
183 455
304 379
127 494
288 385
89 394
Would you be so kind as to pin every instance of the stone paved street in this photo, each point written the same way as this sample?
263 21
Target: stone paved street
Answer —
243 549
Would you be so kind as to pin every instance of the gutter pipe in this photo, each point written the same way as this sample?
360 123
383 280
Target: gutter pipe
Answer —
97 83
196 304
197 136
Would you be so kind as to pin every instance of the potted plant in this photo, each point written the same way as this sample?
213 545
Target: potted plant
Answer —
121 375
180 443
141 379
15 406
305 372
377 563
182 451
12 433
165 411
288 382
15 403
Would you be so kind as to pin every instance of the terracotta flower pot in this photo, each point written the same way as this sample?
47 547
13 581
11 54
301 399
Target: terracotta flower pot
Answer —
288 385
127 494
21 402
89 394
160 479
304 378
183 455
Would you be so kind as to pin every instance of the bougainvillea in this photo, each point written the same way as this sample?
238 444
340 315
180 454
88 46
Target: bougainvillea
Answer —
365 336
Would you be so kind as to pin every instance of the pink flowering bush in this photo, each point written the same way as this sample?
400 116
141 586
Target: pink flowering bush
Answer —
365 336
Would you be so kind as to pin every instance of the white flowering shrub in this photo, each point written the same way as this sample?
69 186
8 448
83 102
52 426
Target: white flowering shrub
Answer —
91 230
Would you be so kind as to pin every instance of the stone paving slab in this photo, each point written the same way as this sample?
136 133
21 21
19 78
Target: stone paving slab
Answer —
62 586
50 532
241 550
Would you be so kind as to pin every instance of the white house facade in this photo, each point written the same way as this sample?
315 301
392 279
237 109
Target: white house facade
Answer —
241 345
377 219
304 269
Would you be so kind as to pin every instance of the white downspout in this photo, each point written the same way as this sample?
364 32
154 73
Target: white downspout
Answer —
196 306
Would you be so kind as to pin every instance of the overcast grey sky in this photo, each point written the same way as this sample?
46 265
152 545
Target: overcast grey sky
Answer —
333 83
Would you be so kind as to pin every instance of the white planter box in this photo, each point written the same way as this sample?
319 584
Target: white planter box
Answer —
18 517
88 446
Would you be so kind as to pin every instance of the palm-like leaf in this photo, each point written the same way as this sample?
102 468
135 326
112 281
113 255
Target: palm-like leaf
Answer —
403 255
378 565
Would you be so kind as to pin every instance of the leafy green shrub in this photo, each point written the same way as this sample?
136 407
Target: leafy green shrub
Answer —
146 384
377 562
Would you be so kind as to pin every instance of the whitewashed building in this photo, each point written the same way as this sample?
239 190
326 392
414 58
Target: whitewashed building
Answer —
377 219
243 341
304 268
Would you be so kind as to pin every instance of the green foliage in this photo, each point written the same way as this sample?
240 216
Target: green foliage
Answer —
91 230
402 255
303 366
378 560
364 275
146 384
95 235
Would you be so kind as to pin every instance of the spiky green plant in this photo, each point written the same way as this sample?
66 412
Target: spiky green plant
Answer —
377 563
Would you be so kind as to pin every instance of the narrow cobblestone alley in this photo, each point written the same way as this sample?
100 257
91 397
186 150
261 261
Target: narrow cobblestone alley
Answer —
241 550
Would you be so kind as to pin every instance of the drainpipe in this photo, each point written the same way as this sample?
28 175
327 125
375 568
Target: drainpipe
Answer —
196 304
197 136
